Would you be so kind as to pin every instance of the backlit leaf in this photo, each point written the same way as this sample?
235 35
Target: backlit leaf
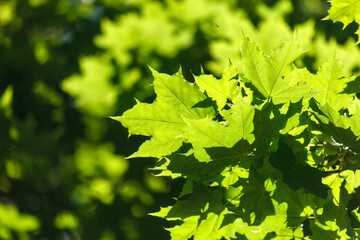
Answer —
345 11
270 75
163 119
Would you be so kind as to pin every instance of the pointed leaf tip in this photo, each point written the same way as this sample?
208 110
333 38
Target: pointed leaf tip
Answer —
201 70
116 118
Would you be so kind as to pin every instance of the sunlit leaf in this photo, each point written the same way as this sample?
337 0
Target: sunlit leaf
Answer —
345 11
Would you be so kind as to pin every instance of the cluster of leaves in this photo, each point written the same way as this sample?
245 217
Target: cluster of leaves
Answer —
191 32
269 151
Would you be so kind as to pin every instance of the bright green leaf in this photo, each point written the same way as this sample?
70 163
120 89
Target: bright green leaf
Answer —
270 75
345 11
163 119
220 90
329 82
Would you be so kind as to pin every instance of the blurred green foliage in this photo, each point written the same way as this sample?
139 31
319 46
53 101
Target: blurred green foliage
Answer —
65 66
13 221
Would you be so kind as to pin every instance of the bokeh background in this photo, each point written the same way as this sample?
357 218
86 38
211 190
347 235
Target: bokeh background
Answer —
66 65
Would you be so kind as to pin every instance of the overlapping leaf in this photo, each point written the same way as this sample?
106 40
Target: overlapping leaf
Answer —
329 83
208 133
272 223
221 157
296 175
301 205
341 130
345 11
256 198
271 75
220 90
163 120
202 215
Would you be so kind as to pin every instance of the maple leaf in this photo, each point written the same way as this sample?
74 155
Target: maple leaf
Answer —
301 205
208 133
341 129
202 215
345 11
220 158
220 90
329 83
271 75
163 120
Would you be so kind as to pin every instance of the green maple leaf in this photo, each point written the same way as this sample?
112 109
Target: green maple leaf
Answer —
296 175
202 215
300 204
270 224
256 198
220 90
163 120
327 232
340 130
345 11
220 158
271 75
207 133
159 145
334 218
209 228
347 179
240 119
329 83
